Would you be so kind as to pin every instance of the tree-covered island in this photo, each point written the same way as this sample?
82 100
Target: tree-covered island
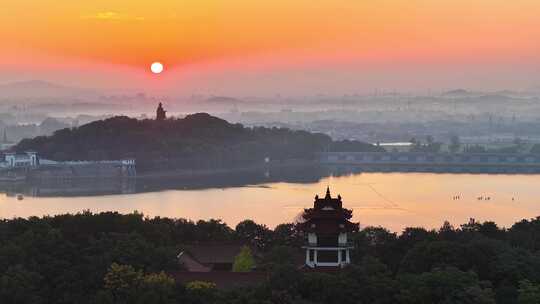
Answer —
197 141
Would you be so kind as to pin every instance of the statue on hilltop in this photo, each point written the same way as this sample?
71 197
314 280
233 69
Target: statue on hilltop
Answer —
160 113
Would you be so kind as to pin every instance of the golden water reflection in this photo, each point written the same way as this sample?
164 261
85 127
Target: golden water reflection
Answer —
391 200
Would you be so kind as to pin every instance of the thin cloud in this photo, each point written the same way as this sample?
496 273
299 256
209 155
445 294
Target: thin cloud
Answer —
111 16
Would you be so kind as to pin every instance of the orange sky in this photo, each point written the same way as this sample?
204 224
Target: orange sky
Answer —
192 36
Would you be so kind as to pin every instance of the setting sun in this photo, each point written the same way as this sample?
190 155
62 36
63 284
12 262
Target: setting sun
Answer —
156 67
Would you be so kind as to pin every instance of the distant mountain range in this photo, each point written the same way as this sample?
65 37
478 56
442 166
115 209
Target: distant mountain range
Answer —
224 99
500 95
38 89
458 93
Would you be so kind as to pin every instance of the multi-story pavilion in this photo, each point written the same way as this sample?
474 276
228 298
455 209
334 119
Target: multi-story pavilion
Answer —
327 226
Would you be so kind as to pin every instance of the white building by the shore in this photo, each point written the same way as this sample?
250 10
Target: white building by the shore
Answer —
13 160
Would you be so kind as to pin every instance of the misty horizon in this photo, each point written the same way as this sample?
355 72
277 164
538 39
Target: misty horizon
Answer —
279 48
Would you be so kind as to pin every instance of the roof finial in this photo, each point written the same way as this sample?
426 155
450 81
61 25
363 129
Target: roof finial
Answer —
328 192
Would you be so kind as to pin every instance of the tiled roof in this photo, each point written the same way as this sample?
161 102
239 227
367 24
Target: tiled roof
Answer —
214 253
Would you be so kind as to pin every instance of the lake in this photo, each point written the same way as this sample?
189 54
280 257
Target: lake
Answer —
391 200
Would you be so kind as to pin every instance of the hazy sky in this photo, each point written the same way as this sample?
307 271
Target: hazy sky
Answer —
275 46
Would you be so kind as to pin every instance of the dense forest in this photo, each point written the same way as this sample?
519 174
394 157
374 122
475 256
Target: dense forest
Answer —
196 141
114 258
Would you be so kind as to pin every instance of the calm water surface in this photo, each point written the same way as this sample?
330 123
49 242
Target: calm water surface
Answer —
391 200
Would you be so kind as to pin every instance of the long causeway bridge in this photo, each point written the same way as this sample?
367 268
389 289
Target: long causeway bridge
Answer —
435 162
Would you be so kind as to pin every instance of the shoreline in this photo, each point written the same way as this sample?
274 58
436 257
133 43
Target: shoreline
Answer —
152 174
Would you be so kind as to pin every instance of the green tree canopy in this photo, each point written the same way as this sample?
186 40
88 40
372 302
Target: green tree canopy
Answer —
244 261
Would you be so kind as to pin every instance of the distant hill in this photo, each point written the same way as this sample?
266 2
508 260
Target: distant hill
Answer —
494 98
42 89
196 141
223 99
458 93
507 93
